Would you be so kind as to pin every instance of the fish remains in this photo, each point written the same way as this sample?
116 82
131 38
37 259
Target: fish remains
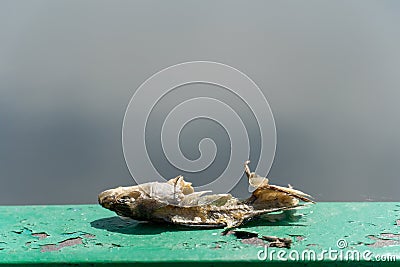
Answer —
176 202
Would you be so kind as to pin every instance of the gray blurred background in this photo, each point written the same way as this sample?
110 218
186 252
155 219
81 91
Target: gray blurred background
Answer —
330 71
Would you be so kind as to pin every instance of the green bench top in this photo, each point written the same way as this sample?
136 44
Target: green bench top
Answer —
337 233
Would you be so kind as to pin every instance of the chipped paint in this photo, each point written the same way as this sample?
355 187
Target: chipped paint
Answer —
41 235
90 234
384 240
65 243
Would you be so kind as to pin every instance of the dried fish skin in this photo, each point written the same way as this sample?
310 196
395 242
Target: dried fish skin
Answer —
266 196
223 211
154 202
176 202
174 192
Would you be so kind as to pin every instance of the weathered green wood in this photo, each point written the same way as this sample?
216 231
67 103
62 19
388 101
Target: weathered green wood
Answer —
89 234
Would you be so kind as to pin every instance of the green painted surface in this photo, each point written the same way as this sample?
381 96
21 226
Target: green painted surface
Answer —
86 234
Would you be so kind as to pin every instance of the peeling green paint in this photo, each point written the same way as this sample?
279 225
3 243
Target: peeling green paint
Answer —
86 234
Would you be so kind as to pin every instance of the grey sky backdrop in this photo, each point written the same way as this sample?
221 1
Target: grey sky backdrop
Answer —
329 69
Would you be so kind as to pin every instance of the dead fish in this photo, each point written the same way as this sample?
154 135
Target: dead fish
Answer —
176 202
